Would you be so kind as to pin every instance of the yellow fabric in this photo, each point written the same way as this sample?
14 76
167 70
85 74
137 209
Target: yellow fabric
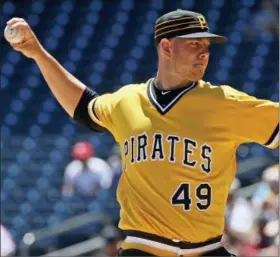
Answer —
210 123
251 119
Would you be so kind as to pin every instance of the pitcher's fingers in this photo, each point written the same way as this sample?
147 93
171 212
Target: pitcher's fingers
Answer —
14 20
19 45
20 25
16 48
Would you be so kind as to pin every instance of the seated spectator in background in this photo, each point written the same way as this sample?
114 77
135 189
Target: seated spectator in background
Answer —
239 221
86 175
8 247
239 215
261 241
273 249
266 196
267 230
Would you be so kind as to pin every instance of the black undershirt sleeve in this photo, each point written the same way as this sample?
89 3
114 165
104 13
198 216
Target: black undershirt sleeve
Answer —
81 114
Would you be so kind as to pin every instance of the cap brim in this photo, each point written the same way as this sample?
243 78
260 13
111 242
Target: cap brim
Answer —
215 39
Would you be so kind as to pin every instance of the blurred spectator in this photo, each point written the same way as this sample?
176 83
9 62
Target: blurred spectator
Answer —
86 174
264 20
253 230
239 222
239 216
8 246
264 238
266 196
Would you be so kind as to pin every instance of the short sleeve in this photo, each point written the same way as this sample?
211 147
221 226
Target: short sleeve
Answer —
252 119
120 112
101 111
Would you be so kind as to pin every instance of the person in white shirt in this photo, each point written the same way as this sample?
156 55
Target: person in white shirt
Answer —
86 174
268 191
8 245
239 216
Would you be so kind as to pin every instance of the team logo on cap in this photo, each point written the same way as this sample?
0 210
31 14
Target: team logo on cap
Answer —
202 21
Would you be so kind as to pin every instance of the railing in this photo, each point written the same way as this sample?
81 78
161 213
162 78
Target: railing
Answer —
33 237
82 248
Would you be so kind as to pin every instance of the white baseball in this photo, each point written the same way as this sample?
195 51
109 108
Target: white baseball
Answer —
13 36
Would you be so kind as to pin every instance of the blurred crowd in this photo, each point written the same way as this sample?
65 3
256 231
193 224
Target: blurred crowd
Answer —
252 223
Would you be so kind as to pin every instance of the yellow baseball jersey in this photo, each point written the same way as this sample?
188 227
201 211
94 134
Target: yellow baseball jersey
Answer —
179 153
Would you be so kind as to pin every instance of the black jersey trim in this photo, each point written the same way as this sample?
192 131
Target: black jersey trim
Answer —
168 105
93 110
81 114
273 136
175 243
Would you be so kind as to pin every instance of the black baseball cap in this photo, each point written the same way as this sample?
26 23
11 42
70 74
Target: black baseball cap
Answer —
184 24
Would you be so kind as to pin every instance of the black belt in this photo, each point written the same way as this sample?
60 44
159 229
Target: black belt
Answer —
175 243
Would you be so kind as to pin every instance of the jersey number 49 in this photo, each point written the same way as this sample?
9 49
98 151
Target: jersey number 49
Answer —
182 196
